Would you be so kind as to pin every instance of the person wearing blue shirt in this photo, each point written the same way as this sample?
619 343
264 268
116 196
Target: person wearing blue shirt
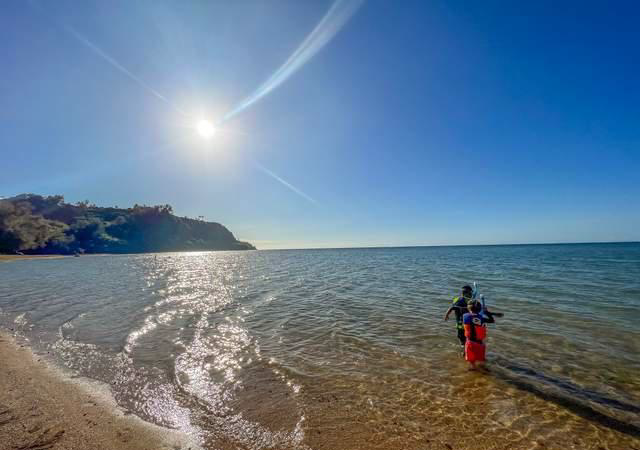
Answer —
474 323
460 307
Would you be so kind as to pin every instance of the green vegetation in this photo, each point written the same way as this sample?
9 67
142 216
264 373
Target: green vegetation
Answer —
40 225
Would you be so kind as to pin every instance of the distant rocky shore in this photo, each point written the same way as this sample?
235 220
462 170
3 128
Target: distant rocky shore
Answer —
35 224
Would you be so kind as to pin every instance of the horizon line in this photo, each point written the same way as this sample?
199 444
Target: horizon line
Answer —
365 247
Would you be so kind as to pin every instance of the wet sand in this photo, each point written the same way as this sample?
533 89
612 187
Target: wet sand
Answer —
40 409
22 257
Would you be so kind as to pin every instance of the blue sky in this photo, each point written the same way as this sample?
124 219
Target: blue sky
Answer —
419 123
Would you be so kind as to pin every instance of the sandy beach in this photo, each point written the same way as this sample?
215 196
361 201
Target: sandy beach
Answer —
41 409
23 257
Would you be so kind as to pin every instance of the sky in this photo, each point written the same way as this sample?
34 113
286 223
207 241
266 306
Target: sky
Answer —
394 123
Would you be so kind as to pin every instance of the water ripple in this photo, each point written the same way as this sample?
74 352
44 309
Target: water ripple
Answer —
347 348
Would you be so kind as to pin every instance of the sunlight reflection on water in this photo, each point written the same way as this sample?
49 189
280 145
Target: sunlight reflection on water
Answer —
347 348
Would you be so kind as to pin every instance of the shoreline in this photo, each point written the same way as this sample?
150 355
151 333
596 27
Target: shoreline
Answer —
40 407
7 258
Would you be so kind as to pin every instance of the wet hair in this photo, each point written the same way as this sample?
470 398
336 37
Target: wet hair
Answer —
467 288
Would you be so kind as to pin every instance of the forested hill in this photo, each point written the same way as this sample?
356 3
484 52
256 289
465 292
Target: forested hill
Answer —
35 224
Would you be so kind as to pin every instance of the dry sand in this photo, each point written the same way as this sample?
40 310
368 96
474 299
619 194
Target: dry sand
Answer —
41 409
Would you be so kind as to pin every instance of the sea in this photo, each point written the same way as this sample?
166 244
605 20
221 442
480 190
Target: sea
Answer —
348 348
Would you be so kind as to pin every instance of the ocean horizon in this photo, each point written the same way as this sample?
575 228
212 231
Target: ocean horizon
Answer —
347 348
449 245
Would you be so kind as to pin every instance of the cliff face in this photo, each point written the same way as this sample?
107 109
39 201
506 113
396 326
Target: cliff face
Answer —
35 224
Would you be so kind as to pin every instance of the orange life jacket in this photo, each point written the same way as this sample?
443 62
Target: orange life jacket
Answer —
477 331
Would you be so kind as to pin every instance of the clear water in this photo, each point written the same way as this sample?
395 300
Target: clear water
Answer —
346 349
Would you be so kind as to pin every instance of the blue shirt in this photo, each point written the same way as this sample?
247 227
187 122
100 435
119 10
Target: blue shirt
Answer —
476 319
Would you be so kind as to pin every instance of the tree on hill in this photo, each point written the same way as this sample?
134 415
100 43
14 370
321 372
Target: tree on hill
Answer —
22 230
40 224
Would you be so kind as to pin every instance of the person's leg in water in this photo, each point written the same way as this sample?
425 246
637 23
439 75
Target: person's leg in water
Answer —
469 356
475 354
461 337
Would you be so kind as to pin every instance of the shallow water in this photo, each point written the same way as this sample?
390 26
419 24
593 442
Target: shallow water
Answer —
345 349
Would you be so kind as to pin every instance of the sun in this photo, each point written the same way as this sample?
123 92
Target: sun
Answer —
205 129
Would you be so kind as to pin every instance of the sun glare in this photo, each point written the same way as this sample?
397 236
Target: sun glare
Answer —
205 129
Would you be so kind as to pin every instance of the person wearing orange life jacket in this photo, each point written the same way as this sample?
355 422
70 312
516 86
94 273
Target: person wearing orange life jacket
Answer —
460 308
475 331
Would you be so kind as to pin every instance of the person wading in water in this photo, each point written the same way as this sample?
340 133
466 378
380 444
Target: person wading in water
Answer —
460 308
475 330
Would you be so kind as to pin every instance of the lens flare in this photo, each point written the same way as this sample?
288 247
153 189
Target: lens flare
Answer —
338 15
205 129
333 21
